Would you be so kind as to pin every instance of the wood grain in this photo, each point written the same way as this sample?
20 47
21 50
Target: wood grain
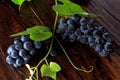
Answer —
11 21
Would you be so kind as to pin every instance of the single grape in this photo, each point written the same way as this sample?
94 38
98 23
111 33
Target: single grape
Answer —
10 49
87 33
77 32
37 44
14 54
24 38
16 40
91 39
71 27
61 21
27 58
110 40
108 46
83 28
83 21
19 62
92 45
22 53
10 60
70 21
103 53
90 25
75 17
72 37
18 46
99 40
96 33
27 45
106 36
32 51
98 48
53 53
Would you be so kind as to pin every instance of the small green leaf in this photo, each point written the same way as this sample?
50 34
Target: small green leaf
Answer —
38 28
37 33
18 2
50 70
54 66
45 71
40 36
69 8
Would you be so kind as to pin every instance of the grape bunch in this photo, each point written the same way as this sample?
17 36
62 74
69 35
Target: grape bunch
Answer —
21 51
86 31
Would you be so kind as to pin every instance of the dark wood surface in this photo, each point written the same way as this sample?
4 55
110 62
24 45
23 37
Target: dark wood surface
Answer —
108 68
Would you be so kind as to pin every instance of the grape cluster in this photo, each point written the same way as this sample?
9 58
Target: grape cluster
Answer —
86 31
22 50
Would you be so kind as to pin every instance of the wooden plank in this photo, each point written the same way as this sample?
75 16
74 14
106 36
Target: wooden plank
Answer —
104 68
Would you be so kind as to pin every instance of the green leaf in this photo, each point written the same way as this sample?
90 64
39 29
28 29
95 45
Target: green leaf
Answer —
38 28
18 2
54 66
37 33
50 70
45 71
69 8
40 36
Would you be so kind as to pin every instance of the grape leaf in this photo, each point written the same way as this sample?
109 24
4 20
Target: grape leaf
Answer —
37 33
18 2
54 66
50 70
69 8
40 36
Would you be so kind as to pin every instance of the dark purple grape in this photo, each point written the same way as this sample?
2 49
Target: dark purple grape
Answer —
14 54
53 53
32 51
19 62
99 40
90 25
10 49
27 45
10 60
96 33
106 36
61 21
108 46
22 53
71 27
83 21
77 32
37 44
103 53
87 33
72 37
98 48
18 46
92 45
75 18
83 28
16 40
91 39
70 21
27 58
24 38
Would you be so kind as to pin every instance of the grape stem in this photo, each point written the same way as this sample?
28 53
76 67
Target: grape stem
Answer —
82 68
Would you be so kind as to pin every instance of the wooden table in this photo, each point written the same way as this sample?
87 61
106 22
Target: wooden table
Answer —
108 68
